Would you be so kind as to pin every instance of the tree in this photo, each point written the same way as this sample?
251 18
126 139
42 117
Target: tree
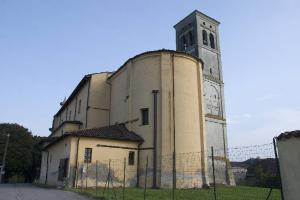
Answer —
23 153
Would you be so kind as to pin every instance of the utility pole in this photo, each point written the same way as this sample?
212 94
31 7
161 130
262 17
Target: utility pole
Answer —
3 159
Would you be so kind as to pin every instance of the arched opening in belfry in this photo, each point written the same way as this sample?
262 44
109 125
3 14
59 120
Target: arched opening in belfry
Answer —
212 41
204 37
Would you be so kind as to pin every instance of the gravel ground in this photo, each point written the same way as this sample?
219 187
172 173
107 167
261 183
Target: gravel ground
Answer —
30 192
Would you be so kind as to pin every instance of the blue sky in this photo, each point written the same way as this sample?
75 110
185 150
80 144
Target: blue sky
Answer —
46 47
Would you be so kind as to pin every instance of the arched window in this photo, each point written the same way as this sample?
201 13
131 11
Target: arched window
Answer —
191 39
204 37
184 44
212 41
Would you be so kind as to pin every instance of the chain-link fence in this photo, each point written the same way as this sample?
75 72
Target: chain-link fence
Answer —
240 173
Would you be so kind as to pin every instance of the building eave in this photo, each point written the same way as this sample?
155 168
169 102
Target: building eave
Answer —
152 52
197 12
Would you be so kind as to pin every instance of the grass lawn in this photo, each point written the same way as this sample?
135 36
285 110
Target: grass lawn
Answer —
223 193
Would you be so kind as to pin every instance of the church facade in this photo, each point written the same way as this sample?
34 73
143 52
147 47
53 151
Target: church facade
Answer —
157 105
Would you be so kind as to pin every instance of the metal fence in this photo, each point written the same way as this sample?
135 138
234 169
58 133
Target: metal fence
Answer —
241 173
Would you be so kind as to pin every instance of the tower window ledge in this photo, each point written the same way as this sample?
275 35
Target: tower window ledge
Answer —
212 78
210 49
209 115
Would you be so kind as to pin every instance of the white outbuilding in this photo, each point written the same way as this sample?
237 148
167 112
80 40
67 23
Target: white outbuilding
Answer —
288 144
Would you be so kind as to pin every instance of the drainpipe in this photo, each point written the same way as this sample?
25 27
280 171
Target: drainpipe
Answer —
76 162
138 166
46 179
154 137
174 131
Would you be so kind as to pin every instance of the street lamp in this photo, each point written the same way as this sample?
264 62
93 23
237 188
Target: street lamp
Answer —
2 172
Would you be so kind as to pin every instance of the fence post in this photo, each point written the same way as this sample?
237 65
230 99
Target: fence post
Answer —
214 177
278 168
145 184
96 178
124 179
107 179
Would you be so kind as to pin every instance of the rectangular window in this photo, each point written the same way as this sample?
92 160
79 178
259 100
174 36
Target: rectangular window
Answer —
70 115
145 116
79 106
131 158
88 155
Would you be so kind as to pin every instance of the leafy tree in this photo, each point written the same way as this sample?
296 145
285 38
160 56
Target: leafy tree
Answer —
23 153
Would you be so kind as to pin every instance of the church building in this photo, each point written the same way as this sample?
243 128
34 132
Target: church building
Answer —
156 108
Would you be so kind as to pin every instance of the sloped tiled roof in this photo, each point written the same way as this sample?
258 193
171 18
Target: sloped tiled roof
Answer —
114 132
287 135
117 132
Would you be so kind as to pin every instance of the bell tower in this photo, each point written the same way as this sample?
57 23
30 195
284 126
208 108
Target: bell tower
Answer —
198 34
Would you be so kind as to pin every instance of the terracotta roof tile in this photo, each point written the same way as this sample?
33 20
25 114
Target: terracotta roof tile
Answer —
114 132
287 135
117 132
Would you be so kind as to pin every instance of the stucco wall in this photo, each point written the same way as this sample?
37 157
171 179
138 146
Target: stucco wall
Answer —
103 151
59 150
95 99
132 90
99 101
73 106
64 128
289 160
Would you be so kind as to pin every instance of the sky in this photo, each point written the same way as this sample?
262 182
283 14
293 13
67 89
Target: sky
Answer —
46 47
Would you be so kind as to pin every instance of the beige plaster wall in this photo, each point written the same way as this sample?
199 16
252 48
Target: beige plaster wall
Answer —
59 150
99 101
95 102
66 127
74 105
132 90
116 153
289 160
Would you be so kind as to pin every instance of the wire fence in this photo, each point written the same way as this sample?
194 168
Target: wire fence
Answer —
238 173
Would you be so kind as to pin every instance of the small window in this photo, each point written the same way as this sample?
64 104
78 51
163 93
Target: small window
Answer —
212 41
204 37
131 158
210 70
203 23
145 116
88 155
70 114
79 106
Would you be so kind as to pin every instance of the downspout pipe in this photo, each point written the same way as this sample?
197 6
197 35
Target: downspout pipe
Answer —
76 162
138 166
47 167
174 125
154 182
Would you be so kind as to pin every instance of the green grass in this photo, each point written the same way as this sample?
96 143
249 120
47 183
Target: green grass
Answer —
223 193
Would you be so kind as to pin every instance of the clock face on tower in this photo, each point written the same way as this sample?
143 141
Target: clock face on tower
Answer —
212 100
